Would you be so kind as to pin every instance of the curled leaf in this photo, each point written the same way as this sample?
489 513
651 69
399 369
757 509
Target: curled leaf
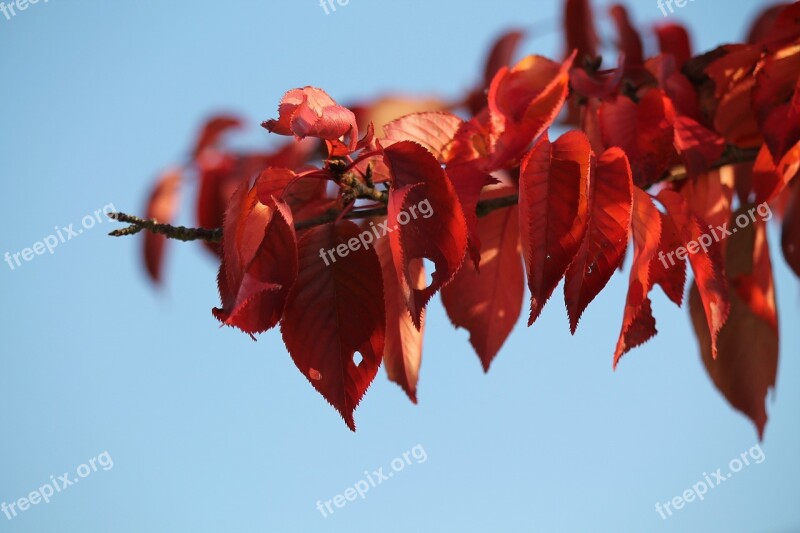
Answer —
438 230
638 324
311 112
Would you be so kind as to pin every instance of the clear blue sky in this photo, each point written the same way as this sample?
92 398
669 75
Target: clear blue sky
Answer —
211 432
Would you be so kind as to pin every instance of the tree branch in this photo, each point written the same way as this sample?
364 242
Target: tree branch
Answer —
358 189
179 233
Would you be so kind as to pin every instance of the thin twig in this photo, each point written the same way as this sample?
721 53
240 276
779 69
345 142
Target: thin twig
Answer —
733 155
179 233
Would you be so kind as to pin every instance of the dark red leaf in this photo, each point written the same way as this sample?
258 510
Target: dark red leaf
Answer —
769 179
161 206
710 197
488 303
762 26
334 311
402 355
786 27
468 182
254 286
746 363
698 146
669 272
580 30
501 54
553 205
418 179
675 85
674 39
638 324
644 130
790 236
732 74
523 102
213 130
629 41
609 226
706 262
305 195
776 100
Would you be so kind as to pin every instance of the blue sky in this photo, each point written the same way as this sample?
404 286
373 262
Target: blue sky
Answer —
210 431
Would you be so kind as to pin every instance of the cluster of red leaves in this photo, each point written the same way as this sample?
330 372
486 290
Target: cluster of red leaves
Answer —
655 159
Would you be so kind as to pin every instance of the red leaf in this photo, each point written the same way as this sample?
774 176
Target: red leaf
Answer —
259 262
402 355
553 204
501 55
213 130
418 178
218 181
710 197
745 367
468 182
790 237
488 303
763 25
597 85
671 277
221 174
161 206
769 180
674 39
644 130
590 124
629 41
387 109
638 324
434 131
305 195
609 226
776 100
733 79
675 85
334 311
698 146
786 26
706 263
514 91
310 112
523 102
579 29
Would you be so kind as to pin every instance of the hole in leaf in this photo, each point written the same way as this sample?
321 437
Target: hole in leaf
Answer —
421 272
357 358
